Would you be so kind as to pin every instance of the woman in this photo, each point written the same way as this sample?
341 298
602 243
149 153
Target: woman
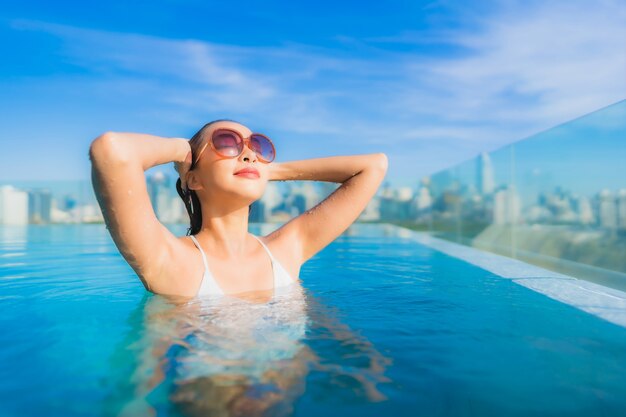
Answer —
223 169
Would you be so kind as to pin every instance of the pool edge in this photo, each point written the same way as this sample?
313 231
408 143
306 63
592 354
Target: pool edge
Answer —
604 302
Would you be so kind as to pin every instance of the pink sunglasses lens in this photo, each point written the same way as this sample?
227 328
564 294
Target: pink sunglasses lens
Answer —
227 144
263 147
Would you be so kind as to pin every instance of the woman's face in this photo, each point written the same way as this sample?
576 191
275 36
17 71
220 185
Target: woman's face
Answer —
215 174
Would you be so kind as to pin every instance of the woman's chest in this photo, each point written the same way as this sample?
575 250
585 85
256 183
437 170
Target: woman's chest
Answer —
234 277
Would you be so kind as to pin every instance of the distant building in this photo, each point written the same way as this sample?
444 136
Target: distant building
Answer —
311 195
91 214
39 206
585 212
485 181
386 206
395 204
69 201
59 215
257 213
423 200
272 198
178 212
507 206
607 210
621 208
371 211
297 202
159 192
13 206
404 193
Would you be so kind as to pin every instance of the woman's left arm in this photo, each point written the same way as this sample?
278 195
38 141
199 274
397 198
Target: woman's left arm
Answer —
360 177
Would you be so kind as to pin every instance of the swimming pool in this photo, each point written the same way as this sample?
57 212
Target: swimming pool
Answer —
384 324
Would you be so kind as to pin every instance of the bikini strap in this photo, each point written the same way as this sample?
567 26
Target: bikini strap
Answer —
204 261
266 248
279 271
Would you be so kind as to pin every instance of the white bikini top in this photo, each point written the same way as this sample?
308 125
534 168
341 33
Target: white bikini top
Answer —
209 285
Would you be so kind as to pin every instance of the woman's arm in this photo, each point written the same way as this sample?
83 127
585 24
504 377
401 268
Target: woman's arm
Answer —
359 175
330 169
118 164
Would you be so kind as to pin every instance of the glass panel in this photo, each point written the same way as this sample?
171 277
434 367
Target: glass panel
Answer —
556 199
573 182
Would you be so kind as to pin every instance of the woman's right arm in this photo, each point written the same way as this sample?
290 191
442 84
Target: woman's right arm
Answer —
118 164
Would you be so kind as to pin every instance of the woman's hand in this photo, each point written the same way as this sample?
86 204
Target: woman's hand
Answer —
182 166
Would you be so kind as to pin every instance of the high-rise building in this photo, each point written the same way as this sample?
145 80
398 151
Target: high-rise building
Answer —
607 210
90 213
39 206
386 202
272 198
423 200
371 211
297 202
158 186
69 201
585 212
310 193
507 206
302 196
258 212
404 194
403 203
621 208
178 212
13 206
485 181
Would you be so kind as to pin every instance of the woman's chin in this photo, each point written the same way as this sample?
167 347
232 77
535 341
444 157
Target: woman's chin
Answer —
251 196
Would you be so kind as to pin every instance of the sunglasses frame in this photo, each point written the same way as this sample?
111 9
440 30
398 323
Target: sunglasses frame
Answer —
246 142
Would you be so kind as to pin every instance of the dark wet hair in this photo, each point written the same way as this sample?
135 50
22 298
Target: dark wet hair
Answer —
190 197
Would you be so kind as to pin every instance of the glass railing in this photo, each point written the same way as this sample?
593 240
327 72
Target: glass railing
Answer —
556 199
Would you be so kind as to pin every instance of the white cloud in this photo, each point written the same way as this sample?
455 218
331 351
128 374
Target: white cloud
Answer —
536 65
523 68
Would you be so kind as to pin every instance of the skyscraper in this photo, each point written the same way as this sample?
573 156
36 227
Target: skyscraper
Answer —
621 208
607 209
39 206
13 206
159 192
485 181
507 206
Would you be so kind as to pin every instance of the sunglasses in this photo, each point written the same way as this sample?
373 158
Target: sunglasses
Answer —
229 144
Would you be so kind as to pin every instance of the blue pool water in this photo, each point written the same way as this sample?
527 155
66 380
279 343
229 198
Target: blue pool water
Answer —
383 325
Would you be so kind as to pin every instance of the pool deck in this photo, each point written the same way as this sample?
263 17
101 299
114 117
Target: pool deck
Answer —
604 302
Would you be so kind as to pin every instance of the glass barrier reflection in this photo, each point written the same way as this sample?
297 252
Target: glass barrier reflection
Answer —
556 199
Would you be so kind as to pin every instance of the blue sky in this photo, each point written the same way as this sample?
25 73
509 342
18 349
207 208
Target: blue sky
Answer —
430 83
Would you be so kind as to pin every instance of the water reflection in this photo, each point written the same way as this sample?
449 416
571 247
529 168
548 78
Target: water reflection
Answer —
13 237
237 356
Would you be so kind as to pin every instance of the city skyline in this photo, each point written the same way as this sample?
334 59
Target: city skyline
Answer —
496 202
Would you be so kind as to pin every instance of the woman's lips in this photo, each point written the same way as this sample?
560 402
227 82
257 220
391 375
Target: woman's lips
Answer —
247 174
